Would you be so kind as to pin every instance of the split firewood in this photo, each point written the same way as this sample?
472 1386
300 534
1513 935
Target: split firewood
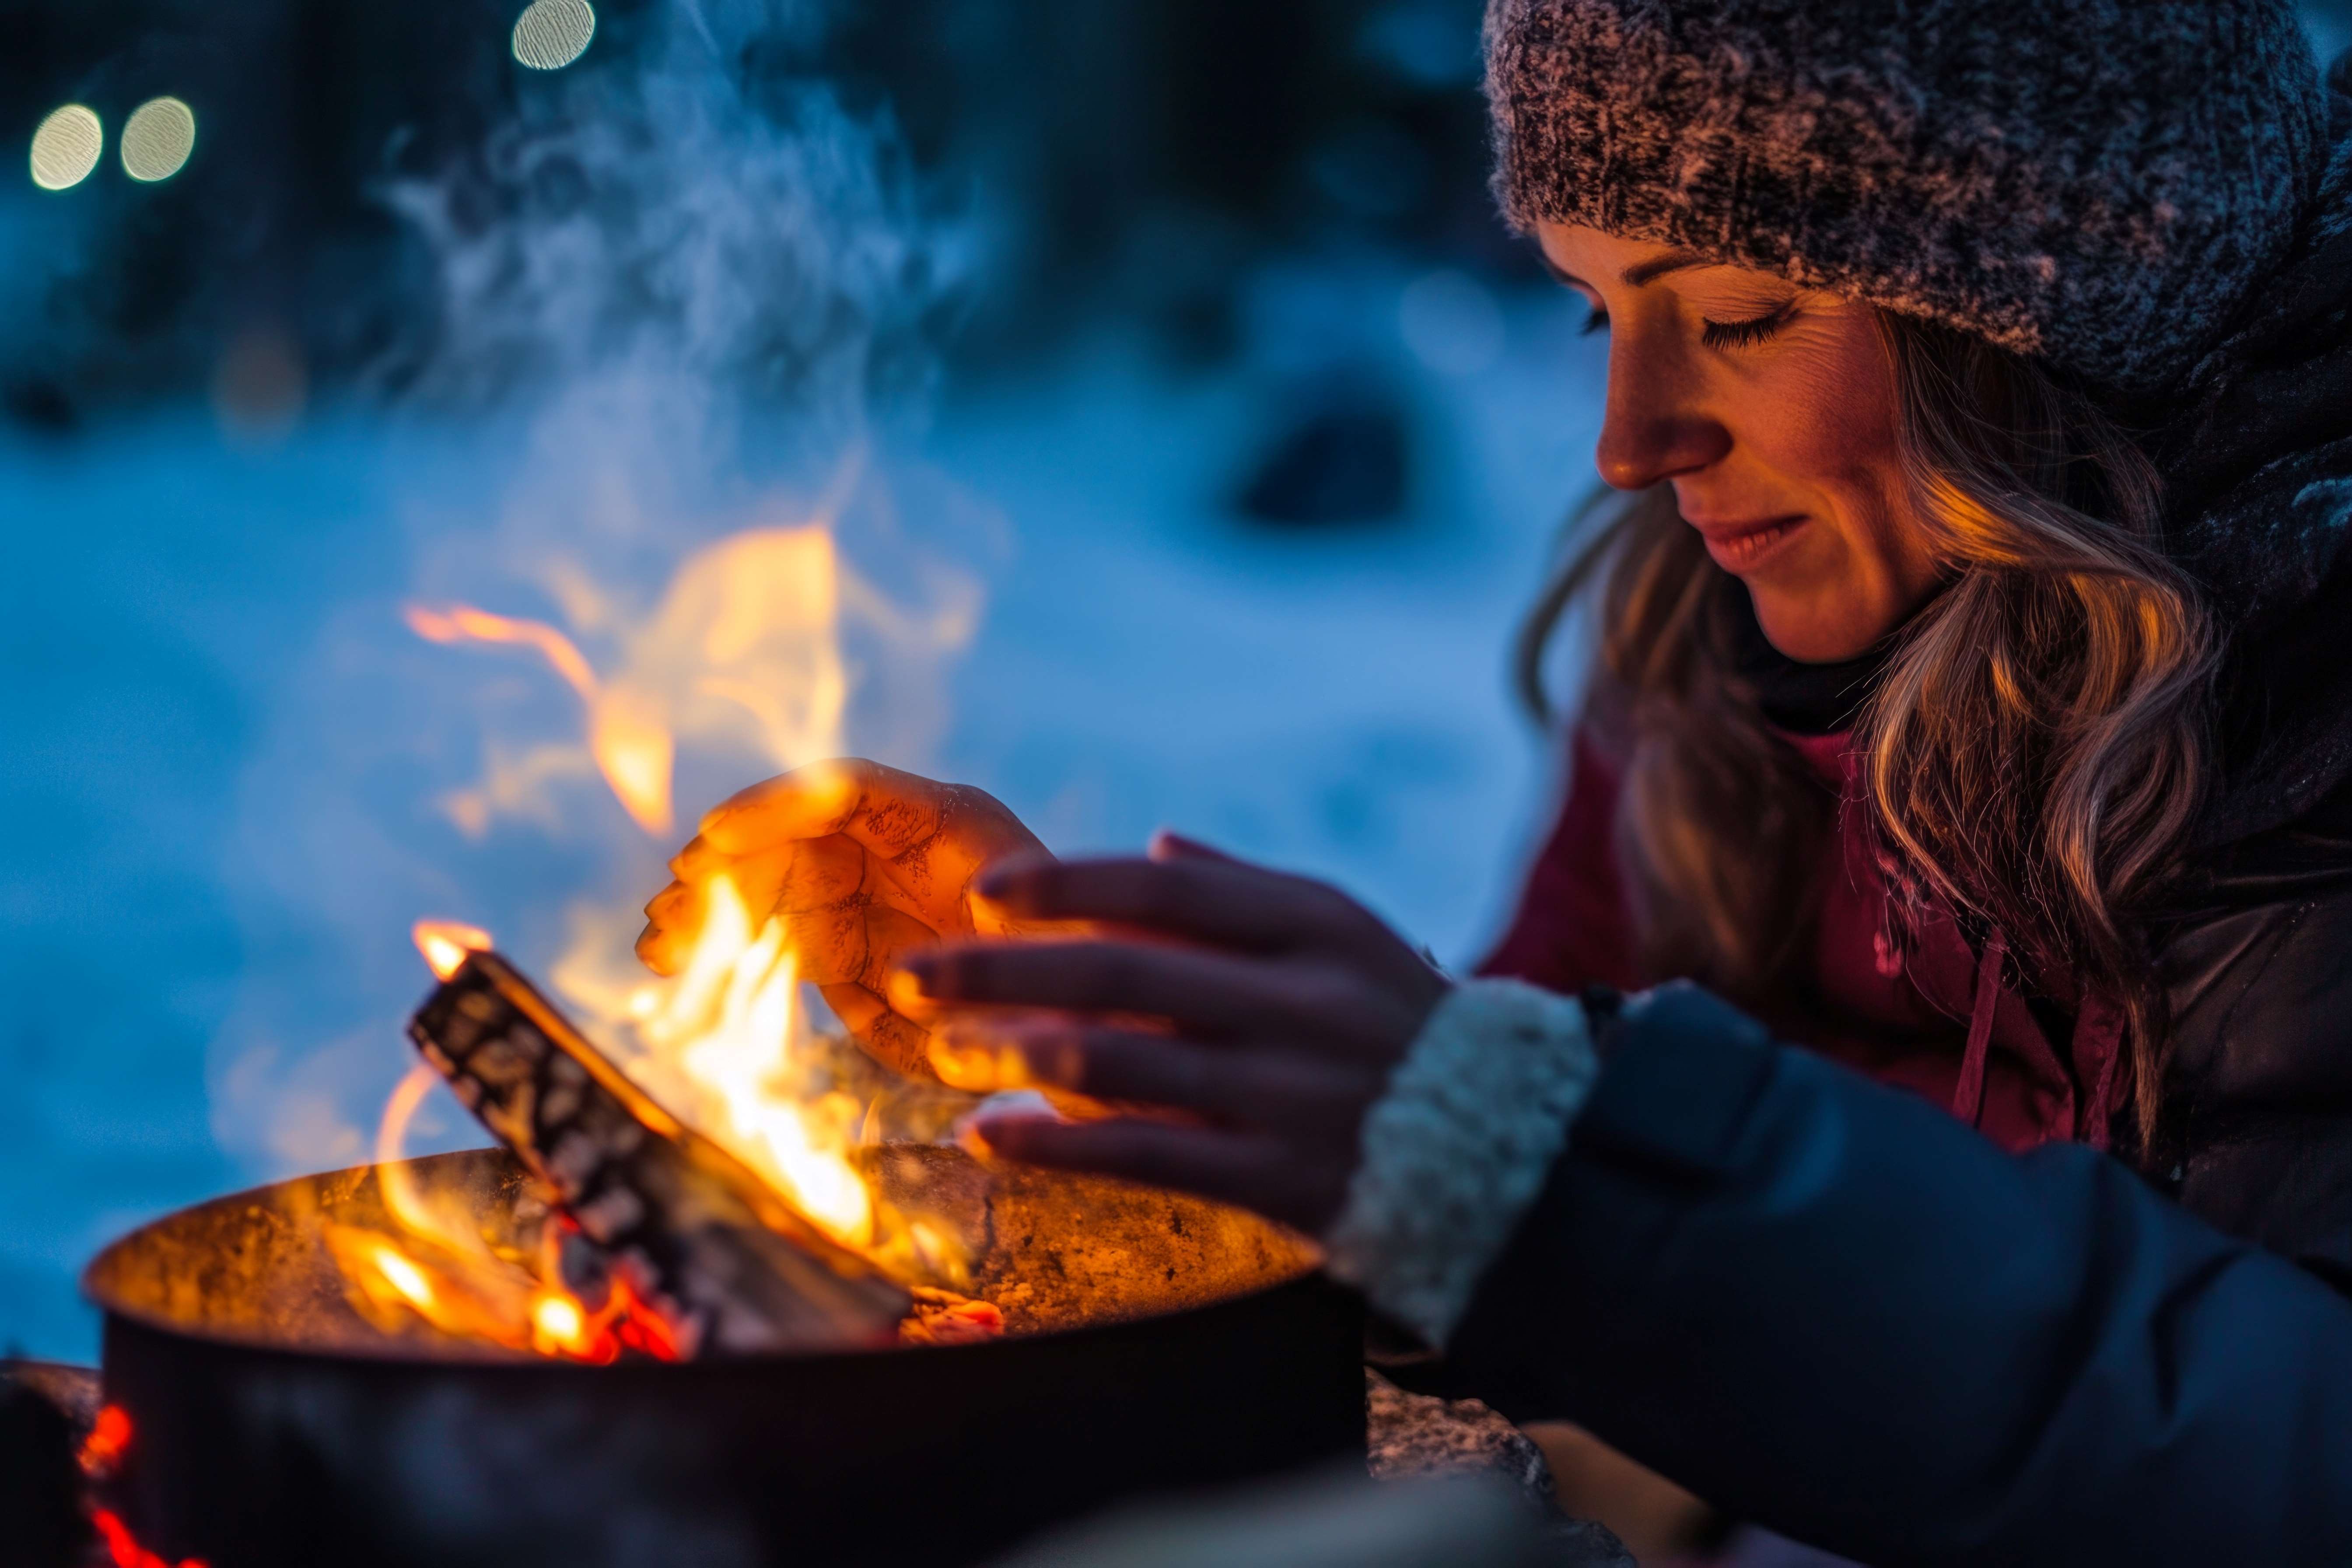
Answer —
701 1237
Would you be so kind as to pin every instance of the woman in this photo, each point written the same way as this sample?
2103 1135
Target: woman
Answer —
1976 718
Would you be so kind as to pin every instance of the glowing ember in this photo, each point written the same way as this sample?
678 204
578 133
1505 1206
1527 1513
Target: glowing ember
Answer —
445 944
438 1269
110 1435
101 1454
124 1551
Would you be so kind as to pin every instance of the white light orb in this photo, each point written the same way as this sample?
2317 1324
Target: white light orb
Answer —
66 146
157 139
552 34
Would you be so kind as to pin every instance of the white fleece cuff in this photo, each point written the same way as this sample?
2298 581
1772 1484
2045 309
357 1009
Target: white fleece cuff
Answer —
1458 1148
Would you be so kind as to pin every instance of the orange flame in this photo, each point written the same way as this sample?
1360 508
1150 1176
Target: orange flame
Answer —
726 1030
741 654
438 1269
445 944
630 744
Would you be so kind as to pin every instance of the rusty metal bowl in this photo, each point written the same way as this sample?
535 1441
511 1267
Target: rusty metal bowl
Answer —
1158 1342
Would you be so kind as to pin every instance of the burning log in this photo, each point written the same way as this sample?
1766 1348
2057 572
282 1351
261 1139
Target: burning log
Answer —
693 1230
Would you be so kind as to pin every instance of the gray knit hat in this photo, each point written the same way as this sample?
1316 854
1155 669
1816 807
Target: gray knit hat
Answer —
2097 182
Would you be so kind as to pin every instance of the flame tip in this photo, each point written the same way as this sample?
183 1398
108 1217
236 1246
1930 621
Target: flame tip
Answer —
447 944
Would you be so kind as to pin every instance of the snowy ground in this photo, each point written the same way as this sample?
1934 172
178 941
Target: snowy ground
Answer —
1332 701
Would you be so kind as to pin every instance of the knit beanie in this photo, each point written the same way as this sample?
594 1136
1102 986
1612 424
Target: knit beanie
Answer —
2098 183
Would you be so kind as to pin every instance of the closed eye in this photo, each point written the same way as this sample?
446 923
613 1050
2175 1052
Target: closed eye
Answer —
1595 321
1746 334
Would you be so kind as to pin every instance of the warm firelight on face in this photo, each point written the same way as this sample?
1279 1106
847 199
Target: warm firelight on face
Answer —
445 944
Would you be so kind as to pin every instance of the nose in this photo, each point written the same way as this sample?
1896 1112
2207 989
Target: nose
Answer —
1653 429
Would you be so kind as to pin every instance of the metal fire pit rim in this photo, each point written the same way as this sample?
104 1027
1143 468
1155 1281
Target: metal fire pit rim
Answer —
492 1360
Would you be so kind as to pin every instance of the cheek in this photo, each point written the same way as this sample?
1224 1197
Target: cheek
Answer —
1833 434
1832 439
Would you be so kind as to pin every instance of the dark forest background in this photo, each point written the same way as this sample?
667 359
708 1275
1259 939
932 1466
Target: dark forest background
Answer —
1131 159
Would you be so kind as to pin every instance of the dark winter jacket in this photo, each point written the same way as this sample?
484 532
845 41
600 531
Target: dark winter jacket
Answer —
1825 1303
1828 1307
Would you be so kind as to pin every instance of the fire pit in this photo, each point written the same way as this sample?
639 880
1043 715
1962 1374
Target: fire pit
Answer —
1153 1343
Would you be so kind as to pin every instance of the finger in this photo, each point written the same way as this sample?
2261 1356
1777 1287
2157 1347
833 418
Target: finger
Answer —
662 946
1243 1168
1213 901
897 1042
1168 844
676 916
810 801
932 836
1203 992
1262 1088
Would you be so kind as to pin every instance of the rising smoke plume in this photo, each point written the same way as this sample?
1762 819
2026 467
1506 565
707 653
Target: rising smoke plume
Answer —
680 301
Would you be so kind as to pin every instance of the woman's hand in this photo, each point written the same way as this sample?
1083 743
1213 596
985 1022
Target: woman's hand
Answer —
1269 1008
862 863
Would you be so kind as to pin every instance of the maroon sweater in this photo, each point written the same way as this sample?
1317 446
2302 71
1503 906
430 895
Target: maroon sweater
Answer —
1939 1020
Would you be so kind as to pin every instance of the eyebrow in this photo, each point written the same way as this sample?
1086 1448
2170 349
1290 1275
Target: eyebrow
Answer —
1641 272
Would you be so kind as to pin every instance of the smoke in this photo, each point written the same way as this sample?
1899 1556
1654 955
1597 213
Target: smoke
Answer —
681 299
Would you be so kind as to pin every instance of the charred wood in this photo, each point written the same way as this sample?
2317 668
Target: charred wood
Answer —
700 1234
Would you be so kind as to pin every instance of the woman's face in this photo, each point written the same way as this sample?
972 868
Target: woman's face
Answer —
1770 409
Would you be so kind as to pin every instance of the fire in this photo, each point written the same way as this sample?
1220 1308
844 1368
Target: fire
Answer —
436 1265
727 1027
743 654
558 1320
406 1278
110 1436
632 747
102 1455
123 1549
445 944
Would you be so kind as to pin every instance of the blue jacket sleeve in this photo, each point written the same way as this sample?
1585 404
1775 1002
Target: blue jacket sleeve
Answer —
1828 1308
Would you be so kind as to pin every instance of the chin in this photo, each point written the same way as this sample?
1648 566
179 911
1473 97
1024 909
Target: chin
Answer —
1814 630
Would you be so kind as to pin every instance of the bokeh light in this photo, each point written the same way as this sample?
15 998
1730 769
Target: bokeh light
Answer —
67 147
158 138
553 33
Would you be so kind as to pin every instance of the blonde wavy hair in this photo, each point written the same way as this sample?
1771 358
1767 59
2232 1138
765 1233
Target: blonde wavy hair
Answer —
2034 754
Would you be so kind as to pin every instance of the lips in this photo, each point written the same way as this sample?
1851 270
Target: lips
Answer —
1743 546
